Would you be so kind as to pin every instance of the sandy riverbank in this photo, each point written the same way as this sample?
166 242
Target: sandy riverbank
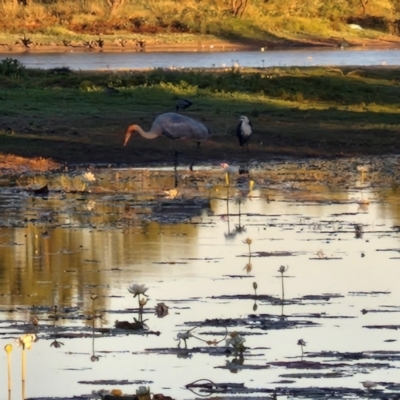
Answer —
206 44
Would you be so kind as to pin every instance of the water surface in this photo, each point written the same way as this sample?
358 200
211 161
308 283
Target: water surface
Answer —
187 245
255 59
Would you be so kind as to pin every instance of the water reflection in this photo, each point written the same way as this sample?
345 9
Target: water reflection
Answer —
54 246
55 343
74 255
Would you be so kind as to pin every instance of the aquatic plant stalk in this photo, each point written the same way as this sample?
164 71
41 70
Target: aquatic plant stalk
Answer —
8 350
282 269
301 343
23 371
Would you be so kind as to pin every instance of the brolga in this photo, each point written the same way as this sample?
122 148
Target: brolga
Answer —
182 104
172 126
244 131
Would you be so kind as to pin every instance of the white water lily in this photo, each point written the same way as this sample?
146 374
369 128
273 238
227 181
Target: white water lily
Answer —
236 341
137 289
26 340
142 390
89 176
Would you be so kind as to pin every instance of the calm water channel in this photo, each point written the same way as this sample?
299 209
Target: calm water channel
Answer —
337 234
269 58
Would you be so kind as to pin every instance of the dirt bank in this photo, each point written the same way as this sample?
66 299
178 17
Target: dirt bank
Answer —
192 44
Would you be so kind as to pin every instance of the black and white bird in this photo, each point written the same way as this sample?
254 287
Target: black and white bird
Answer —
183 104
244 131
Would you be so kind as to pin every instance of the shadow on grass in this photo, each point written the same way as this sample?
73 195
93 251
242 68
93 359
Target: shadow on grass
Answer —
296 112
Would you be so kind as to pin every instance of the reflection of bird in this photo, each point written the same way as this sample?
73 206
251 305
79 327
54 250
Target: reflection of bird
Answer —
183 104
231 171
173 126
363 170
244 131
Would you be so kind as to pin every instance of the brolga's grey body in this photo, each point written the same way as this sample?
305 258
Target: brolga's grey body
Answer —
183 104
173 126
244 131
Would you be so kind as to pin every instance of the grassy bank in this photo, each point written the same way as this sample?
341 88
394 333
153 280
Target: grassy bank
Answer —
75 117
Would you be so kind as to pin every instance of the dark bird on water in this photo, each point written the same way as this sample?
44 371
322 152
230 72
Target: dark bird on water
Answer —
244 131
183 104
173 126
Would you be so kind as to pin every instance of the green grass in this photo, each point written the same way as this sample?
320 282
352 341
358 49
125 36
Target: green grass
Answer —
294 111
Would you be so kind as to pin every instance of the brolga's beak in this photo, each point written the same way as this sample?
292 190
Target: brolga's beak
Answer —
127 137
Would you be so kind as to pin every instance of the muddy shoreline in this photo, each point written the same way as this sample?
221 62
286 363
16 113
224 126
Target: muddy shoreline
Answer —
200 44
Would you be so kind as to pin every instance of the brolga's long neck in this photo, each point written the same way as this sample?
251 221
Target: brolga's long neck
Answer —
136 128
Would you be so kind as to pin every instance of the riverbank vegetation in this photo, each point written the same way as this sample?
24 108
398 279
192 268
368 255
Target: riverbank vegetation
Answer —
82 116
239 20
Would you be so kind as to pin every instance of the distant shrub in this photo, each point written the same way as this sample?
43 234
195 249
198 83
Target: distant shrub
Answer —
11 67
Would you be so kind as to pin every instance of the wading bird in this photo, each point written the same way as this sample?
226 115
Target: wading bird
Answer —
244 131
183 104
173 126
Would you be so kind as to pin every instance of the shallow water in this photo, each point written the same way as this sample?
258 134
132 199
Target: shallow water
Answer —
97 237
213 59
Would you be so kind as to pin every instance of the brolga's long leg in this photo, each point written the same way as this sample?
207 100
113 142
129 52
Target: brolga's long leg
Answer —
176 167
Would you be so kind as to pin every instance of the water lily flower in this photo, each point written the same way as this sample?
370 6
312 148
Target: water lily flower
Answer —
142 390
248 267
142 302
137 289
248 241
26 340
89 176
100 394
143 393
8 348
282 269
369 384
301 342
237 342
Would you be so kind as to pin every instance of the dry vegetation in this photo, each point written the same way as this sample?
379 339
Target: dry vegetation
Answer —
233 19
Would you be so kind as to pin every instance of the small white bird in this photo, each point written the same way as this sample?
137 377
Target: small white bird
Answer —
244 131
